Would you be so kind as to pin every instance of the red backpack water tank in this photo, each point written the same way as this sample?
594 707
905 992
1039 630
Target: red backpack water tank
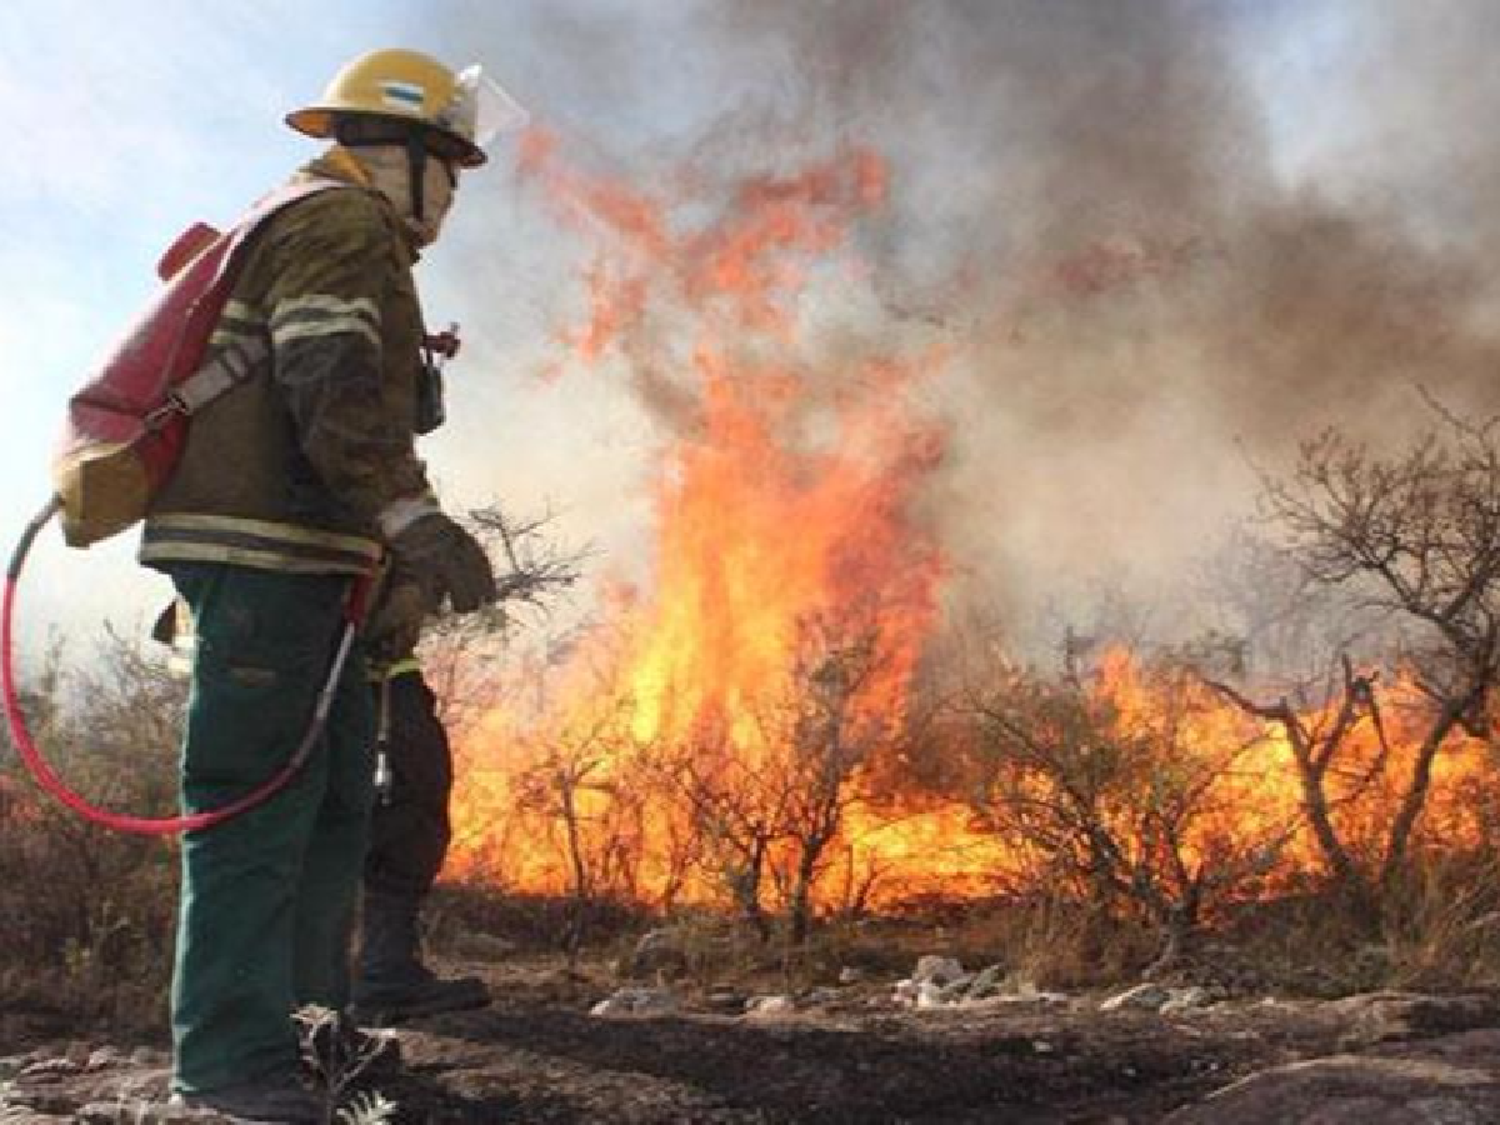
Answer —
126 427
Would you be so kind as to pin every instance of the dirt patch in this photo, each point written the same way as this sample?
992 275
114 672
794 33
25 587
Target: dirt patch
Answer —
842 1055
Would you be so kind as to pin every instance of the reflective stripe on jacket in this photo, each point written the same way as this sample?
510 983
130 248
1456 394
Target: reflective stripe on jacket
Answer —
380 672
290 470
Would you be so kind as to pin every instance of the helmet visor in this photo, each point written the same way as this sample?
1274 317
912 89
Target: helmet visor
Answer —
482 110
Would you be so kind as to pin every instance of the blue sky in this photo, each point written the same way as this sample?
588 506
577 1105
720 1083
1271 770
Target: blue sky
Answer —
129 119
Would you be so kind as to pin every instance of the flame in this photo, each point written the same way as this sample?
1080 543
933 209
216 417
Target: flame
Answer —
795 588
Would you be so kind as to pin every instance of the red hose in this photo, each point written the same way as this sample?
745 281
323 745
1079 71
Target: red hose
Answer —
48 779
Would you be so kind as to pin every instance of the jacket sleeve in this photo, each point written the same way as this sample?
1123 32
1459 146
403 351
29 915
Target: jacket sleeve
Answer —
337 265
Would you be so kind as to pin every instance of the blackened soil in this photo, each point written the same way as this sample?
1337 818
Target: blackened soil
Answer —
537 1055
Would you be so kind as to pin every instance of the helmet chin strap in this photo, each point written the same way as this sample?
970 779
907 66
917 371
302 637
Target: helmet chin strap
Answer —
357 133
416 163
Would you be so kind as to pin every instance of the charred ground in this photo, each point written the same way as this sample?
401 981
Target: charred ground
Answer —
844 1053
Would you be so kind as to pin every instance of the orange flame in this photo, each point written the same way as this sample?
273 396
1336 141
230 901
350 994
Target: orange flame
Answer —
795 587
787 499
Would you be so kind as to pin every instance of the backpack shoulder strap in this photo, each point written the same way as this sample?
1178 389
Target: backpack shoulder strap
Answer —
232 365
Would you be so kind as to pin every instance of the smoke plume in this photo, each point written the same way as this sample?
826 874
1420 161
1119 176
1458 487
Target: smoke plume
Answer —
1155 253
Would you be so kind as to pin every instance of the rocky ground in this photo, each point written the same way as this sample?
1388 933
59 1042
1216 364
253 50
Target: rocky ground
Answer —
942 1046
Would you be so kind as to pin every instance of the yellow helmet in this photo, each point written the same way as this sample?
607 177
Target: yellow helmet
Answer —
407 88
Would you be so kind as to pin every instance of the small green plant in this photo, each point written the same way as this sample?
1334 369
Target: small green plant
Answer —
369 1108
336 1054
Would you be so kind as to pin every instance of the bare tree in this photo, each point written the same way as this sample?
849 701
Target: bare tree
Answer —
583 787
826 732
1415 537
676 845
736 809
1260 596
1330 772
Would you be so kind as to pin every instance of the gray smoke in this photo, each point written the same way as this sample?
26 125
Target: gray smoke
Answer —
1159 255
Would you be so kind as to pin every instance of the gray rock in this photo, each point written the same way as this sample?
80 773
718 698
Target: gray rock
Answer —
988 982
1450 1081
1384 1017
59 1065
104 1058
1143 998
1186 1000
726 1000
930 995
937 970
956 989
111 1113
1025 993
637 1002
770 1006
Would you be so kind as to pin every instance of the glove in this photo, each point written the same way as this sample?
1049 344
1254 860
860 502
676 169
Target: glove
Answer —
395 626
447 561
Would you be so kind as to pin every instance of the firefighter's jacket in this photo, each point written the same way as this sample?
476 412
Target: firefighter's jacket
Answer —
293 470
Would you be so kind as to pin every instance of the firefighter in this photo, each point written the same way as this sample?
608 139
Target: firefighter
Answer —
409 830
288 489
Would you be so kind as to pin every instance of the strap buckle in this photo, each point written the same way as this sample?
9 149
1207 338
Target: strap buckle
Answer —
173 405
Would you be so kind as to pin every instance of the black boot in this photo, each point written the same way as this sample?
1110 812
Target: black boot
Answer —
393 984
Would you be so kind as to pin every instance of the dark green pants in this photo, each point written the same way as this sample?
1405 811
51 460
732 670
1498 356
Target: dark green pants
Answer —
267 898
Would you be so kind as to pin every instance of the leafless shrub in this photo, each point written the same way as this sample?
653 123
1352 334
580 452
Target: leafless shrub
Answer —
829 727
767 802
461 654
734 808
1120 803
90 910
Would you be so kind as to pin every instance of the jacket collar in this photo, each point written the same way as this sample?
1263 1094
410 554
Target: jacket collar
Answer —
339 164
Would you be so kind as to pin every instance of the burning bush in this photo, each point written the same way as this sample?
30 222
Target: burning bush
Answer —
1134 787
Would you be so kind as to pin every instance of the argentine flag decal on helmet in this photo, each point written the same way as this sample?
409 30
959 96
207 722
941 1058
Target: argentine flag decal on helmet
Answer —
403 95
